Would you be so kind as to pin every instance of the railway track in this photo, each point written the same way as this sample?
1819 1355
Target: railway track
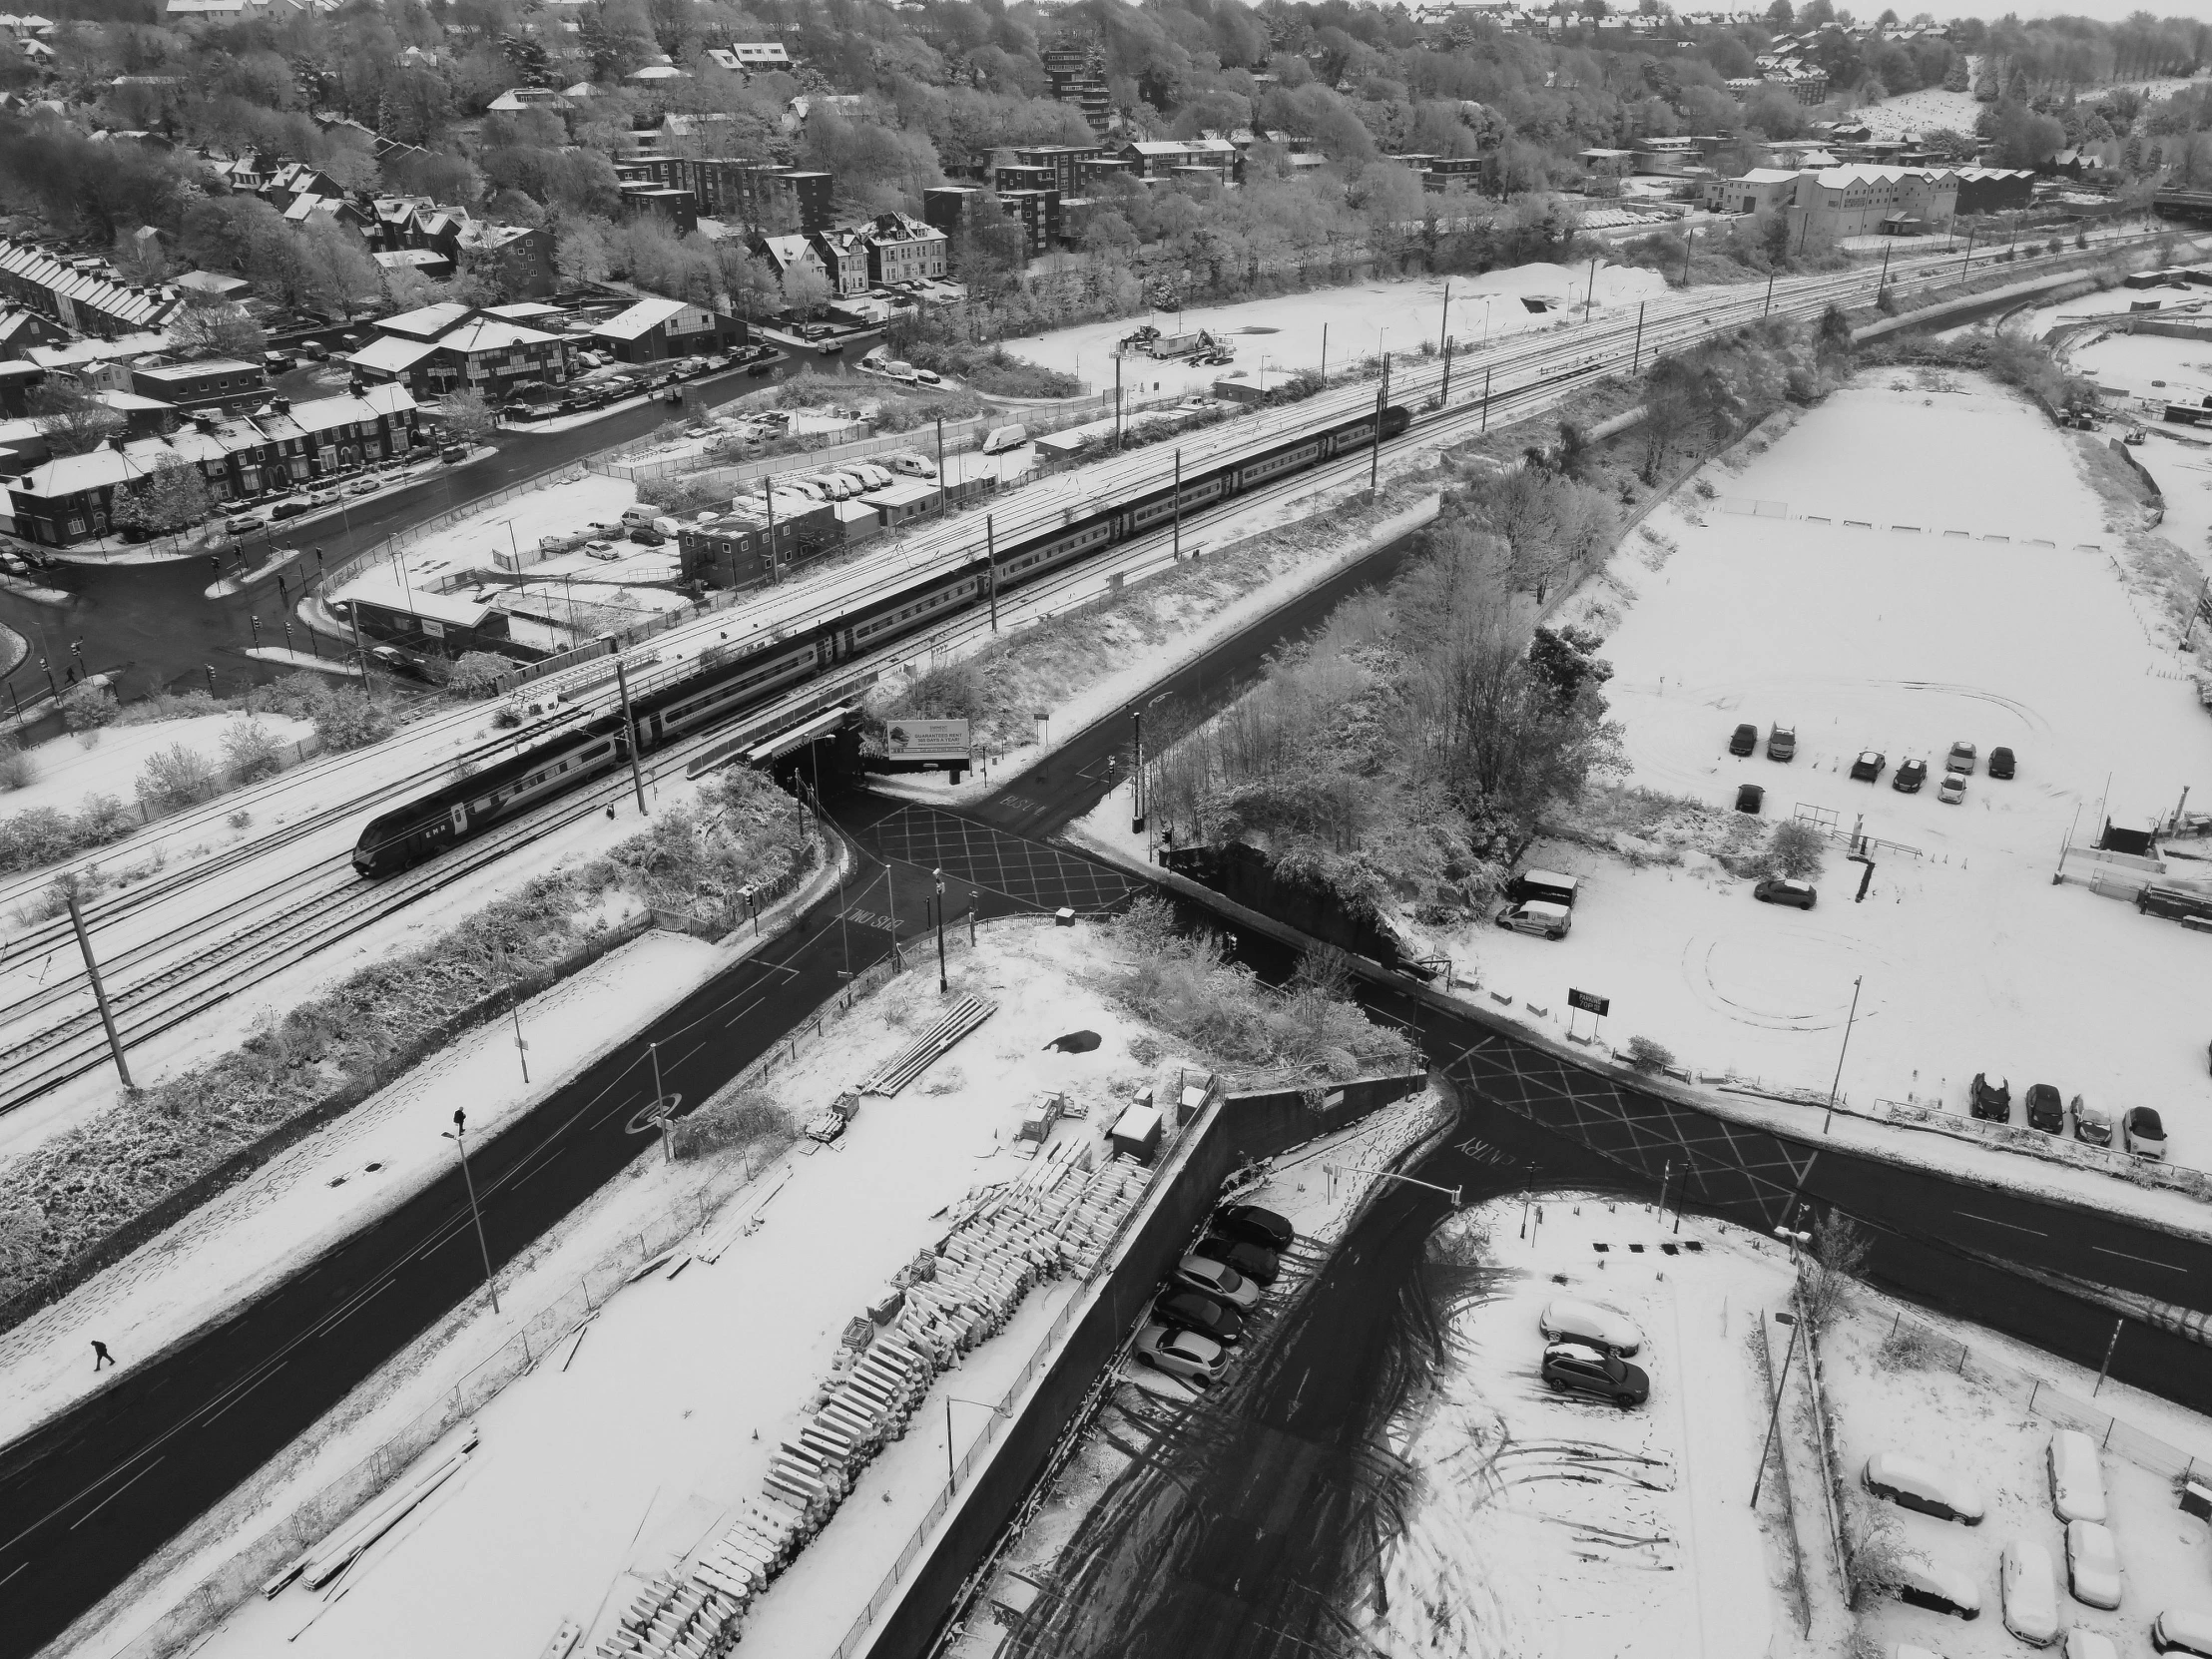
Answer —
186 974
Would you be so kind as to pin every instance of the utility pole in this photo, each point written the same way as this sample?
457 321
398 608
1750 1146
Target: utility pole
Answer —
1444 329
990 569
1117 400
1381 397
944 984
1840 1053
1176 530
1487 373
943 484
1688 242
1136 772
1769 295
99 992
1325 353
629 735
1881 282
1590 299
458 1136
1968 260
1637 355
1443 396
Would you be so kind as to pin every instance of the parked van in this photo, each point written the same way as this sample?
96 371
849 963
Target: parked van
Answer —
835 485
632 517
913 467
1544 919
1548 884
875 478
803 486
2076 1478
1002 438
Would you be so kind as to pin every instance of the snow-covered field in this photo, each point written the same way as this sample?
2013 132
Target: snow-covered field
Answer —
665 1422
1548 1525
1361 318
1967 957
109 759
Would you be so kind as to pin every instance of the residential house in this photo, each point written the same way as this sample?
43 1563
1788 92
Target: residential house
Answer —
1057 167
72 499
903 250
655 328
786 254
210 383
754 194
319 437
1077 74
843 257
448 346
1156 158
677 209
21 329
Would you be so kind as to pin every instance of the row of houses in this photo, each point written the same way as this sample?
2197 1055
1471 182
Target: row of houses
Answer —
495 350
82 294
890 251
1836 202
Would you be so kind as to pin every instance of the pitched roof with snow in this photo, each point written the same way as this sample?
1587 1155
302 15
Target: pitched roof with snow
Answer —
648 312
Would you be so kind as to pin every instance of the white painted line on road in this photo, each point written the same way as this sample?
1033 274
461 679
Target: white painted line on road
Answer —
1993 1222
2145 1260
112 1496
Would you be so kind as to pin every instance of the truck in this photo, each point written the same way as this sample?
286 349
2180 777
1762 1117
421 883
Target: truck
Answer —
1198 344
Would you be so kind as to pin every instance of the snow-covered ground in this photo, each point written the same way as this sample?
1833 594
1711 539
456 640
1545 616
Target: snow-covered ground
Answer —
1361 318
665 1420
1549 1524
109 759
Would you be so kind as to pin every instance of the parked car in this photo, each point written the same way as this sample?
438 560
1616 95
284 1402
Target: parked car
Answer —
646 536
913 467
1911 773
1258 1225
1910 1483
2145 1136
1749 798
2090 1124
453 452
1195 1311
602 550
1743 740
1990 1100
2030 1592
2092 1564
2182 1630
366 486
1548 884
395 661
1573 1367
1545 920
1183 1353
322 498
242 524
1218 1279
1940 1590
2000 763
1868 768
1952 790
1782 742
1566 1319
759 371
2045 1110
288 509
1256 1262
1960 759
1781 890
2084 1643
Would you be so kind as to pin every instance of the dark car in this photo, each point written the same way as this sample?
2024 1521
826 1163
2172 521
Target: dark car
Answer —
1745 740
1868 768
2144 1135
2000 763
1196 1310
395 661
1910 776
1749 798
2045 1110
1990 1100
1782 742
646 536
759 371
1256 1262
1251 1222
1574 1368
1780 890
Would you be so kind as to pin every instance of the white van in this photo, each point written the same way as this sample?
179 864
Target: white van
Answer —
1003 438
912 465
1545 920
2030 1592
2076 1478
875 478
636 517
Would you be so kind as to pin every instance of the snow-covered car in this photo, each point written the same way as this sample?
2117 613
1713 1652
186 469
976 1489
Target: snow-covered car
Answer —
1782 742
1195 1311
1750 798
1992 1101
1911 773
1868 767
1184 1353
1256 1262
2145 1134
2092 1564
2076 1477
2083 1643
1961 758
2030 1586
1578 1367
2182 1630
322 498
1566 1319
366 486
1952 790
1781 890
1910 1483
1743 740
1219 1280
2091 1124
1938 1588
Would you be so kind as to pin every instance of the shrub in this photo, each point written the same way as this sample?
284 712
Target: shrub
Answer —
87 707
477 672
1795 849
176 777
1145 1050
746 1119
38 837
249 751
103 817
1913 1348
351 719
1646 1055
239 818
16 770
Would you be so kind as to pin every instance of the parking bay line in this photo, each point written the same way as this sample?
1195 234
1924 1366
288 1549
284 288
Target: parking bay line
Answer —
1993 1222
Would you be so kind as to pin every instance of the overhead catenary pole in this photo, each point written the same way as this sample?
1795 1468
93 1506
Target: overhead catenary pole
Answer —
1381 398
1176 529
629 735
1688 242
1325 353
1444 329
1590 299
1769 295
990 569
99 990
944 485
1443 393
1117 400
1487 373
1636 355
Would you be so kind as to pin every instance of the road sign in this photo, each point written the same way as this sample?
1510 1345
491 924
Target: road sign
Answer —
1589 1002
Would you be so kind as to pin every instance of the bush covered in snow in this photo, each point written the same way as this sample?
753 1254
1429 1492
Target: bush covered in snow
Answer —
1646 1055
748 1119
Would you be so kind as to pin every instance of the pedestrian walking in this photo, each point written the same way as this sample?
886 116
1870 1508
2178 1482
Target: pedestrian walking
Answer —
100 1357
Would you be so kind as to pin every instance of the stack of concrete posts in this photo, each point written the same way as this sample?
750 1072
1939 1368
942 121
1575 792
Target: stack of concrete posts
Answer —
671 1619
754 1549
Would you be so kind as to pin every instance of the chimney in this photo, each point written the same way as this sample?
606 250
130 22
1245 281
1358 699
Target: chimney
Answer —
282 404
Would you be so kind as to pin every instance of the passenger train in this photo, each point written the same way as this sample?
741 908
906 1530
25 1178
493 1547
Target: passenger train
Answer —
428 826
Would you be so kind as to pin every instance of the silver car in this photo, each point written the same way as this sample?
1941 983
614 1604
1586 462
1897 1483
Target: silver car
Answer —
1183 1353
1218 1281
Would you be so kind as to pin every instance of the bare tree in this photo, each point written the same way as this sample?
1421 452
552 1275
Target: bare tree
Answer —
70 418
1827 1271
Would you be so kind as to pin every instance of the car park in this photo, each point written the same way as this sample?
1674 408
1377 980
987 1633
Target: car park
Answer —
1960 759
1256 1262
2182 1630
1868 767
1952 790
1938 1588
2045 1110
2092 1564
2091 1124
1218 1279
1913 1483
2000 763
1574 1368
1781 890
1743 740
1547 921
1750 798
1782 742
2144 1134
1569 1320
1184 1353
2030 1586
1991 1101
1254 1225
1188 1309
1911 773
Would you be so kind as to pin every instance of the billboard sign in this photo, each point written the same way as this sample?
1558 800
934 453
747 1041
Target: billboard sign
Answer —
1590 1002
942 741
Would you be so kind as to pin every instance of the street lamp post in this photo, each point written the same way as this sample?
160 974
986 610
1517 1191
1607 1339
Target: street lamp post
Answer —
1840 1053
457 1135
943 986
951 1473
